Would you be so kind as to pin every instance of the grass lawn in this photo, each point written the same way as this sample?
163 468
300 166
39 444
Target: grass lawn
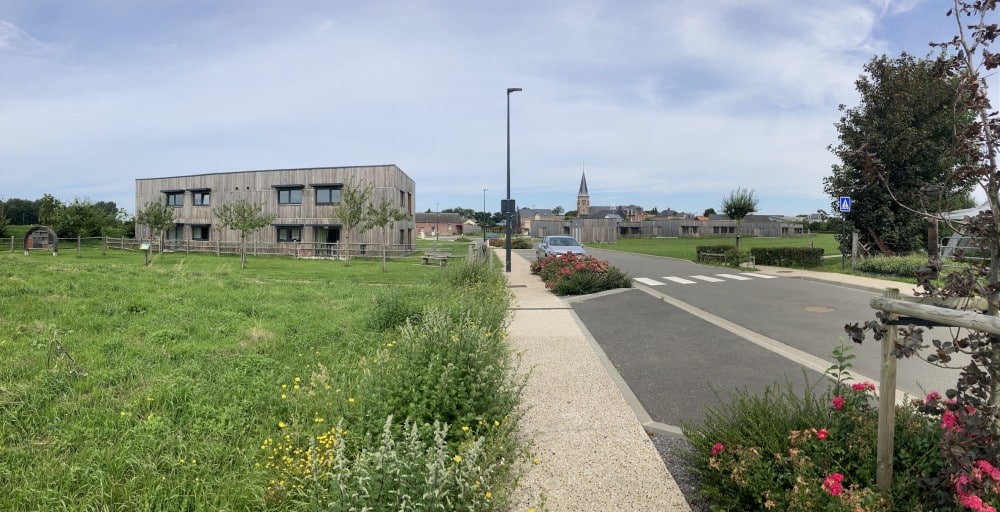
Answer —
685 248
193 385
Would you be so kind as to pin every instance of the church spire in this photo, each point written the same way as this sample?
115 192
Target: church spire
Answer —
583 198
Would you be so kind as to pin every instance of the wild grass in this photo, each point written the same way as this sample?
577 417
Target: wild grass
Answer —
127 387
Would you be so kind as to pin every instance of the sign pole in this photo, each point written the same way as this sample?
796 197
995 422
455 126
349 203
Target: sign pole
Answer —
844 205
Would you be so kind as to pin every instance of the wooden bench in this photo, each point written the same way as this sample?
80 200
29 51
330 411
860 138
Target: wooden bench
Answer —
440 257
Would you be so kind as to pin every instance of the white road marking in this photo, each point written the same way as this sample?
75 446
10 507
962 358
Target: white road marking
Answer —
709 279
762 276
648 282
734 277
680 280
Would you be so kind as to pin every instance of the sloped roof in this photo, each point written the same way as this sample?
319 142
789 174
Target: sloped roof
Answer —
441 218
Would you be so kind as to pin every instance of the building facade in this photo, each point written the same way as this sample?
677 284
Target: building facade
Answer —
303 202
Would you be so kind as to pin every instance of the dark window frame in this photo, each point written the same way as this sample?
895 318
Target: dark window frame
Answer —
286 193
175 198
289 232
208 232
201 197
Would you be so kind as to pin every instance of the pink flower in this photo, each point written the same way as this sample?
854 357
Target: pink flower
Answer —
863 386
948 420
988 469
832 484
933 396
718 447
821 434
838 402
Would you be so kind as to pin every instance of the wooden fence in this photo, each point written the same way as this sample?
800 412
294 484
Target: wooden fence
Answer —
295 250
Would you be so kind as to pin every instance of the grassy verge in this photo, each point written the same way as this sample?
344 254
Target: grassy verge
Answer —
193 385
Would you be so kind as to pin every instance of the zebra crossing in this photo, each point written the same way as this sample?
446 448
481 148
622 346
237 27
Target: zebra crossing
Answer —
699 278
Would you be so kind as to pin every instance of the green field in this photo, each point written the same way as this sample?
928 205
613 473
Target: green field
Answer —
193 385
685 248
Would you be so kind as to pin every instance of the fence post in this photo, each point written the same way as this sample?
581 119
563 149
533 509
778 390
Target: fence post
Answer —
77 246
887 404
11 243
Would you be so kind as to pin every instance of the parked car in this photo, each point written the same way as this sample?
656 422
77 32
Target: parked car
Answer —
551 245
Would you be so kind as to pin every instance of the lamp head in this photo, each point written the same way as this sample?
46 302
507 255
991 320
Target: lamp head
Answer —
513 89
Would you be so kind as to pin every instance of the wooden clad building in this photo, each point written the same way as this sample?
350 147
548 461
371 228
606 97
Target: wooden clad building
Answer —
303 202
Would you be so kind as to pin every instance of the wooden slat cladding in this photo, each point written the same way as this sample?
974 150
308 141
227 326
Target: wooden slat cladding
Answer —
262 187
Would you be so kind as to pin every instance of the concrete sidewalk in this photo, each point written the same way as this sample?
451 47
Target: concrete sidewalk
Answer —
590 450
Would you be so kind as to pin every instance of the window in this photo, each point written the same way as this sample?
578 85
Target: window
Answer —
328 195
201 197
290 196
289 233
175 199
199 232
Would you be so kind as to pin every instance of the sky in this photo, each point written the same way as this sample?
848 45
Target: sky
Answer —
663 103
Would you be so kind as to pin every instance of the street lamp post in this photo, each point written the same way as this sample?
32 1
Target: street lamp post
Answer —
509 214
484 214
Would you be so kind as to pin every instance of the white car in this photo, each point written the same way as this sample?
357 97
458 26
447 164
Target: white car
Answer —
558 245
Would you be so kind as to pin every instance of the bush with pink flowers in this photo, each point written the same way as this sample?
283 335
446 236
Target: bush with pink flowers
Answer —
572 274
787 449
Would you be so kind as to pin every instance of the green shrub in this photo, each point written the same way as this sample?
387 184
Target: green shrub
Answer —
463 239
900 266
521 242
788 256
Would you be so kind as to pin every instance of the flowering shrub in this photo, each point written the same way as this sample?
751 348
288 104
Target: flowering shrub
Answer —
804 451
571 274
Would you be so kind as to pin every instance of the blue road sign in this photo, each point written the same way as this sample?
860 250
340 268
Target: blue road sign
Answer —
845 204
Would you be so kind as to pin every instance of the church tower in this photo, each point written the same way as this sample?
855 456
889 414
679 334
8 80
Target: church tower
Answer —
583 198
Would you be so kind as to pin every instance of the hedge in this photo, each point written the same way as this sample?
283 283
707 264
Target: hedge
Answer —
788 256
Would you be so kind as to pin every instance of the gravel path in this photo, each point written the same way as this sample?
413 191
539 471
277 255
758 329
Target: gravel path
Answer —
671 449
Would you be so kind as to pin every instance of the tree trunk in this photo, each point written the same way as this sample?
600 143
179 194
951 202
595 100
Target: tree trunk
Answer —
243 252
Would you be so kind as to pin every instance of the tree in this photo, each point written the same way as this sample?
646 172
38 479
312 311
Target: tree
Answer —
3 219
83 218
709 211
22 212
158 217
351 212
897 153
737 205
570 215
558 210
968 155
48 209
382 215
245 217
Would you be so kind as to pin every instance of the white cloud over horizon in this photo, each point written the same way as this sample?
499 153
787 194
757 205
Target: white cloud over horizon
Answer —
666 104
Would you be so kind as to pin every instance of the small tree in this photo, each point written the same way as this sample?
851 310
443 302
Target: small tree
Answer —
245 217
737 205
48 209
3 219
382 215
158 217
709 211
351 212
558 210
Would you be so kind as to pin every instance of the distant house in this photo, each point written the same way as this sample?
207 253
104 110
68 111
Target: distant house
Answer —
528 215
431 224
303 202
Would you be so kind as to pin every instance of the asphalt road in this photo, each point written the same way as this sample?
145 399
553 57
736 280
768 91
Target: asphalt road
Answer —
688 334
